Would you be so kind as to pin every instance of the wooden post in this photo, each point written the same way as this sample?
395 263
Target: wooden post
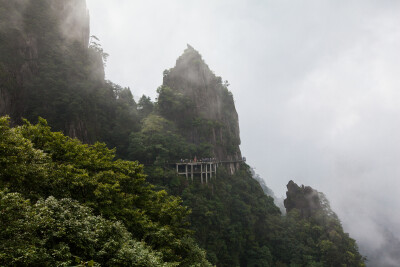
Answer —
191 165
210 170
206 172
201 172
186 171
177 168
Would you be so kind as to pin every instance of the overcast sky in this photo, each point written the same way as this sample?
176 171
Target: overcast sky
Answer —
316 86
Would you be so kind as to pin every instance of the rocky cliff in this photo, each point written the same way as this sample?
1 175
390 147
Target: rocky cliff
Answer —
308 202
203 107
48 68
303 198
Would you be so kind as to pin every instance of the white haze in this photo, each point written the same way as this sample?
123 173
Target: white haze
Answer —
316 85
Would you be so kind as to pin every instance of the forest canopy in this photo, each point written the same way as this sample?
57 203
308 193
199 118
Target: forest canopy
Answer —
42 170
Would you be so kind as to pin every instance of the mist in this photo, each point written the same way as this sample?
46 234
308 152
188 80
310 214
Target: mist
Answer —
315 84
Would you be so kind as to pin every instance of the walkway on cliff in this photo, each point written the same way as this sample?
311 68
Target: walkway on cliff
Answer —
204 167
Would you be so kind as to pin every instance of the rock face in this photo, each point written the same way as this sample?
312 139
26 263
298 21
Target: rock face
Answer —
43 59
18 57
74 20
305 199
207 112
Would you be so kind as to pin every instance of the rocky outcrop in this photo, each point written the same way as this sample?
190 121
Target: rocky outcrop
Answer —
18 55
208 114
43 50
74 20
305 199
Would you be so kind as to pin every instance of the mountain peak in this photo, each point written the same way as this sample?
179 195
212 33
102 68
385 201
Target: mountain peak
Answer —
208 101
192 61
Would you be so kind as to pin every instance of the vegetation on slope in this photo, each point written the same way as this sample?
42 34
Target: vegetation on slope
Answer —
239 225
62 232
41 164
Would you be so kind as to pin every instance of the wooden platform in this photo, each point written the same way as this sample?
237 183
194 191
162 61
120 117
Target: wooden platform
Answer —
207 170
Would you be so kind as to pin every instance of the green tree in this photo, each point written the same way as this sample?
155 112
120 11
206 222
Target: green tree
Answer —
39 163
145 106
63 233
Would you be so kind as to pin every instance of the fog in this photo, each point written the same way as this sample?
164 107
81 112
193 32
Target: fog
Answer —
316 86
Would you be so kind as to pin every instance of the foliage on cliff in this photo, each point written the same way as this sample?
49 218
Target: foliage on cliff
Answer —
41 164
239 225
311 221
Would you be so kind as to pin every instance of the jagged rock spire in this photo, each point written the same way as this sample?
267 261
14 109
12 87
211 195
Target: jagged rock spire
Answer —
210 102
